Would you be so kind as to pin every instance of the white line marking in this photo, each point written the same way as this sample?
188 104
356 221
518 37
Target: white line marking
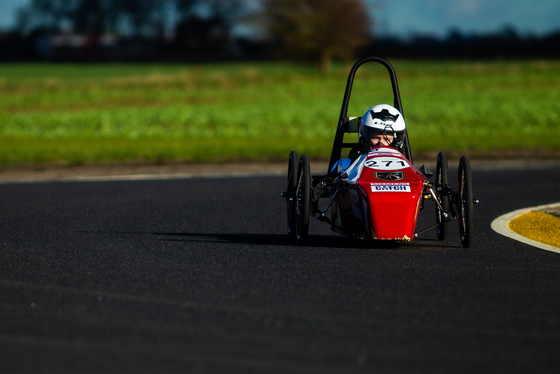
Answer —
500 225
144 177
317 168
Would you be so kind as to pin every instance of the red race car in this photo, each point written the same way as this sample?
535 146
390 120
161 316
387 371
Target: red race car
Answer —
376 192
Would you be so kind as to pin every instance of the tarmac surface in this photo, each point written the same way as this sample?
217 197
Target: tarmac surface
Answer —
527 225
134 171
198 275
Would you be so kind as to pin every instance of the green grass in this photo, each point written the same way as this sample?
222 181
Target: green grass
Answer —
75 114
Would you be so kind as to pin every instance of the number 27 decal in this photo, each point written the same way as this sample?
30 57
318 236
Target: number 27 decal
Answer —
386 163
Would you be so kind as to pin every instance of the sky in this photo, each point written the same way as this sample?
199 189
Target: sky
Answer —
436 17
8 10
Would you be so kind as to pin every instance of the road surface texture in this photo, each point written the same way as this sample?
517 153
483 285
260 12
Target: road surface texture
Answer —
197 275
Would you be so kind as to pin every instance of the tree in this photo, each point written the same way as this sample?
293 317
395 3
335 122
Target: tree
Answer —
46 14
143 16
226 11
201 25
317 30
89 16
205 25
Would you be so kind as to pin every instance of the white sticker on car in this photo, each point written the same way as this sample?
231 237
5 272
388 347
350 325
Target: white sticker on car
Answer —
390 187
386 163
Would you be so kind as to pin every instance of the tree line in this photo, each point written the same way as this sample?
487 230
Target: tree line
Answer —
314 30
137 18
307 30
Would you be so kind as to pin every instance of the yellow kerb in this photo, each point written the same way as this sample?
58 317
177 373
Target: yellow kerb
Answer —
538 226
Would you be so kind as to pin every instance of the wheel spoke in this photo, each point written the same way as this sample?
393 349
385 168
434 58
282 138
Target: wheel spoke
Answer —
442 197
465 202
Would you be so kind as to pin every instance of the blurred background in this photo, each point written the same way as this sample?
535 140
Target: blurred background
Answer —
158 81
202 30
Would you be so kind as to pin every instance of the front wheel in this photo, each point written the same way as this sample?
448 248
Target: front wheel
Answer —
442 196
290 193
303 200
465 201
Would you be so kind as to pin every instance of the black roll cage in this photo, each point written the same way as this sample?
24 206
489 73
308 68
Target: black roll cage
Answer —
350 125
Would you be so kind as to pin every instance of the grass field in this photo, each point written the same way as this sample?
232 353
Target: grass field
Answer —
76 114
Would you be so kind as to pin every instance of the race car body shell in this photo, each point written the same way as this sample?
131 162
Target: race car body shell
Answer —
382 198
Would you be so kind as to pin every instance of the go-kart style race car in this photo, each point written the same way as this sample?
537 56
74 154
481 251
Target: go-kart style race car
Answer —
379 196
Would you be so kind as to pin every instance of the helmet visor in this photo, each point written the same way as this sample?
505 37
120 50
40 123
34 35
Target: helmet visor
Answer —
371 132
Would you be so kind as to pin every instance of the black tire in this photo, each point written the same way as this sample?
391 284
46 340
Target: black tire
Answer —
465 202
442 179
291 193
303 200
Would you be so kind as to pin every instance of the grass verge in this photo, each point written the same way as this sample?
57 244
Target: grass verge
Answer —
155 113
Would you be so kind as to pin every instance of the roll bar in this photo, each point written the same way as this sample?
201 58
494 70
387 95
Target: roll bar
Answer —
346 125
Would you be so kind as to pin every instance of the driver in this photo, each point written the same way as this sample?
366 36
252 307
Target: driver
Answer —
380 125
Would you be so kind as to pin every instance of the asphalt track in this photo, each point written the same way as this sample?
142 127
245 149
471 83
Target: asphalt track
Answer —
197 275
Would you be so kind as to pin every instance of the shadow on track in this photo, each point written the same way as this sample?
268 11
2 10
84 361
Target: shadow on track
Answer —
282 240
313 241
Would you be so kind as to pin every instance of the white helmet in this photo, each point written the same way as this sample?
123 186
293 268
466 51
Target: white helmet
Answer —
381 119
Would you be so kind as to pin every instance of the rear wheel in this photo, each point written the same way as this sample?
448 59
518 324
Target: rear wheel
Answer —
465 202
443 198
303 200
291 193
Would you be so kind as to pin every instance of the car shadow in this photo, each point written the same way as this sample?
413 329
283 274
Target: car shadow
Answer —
313 241
283 240
254 239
